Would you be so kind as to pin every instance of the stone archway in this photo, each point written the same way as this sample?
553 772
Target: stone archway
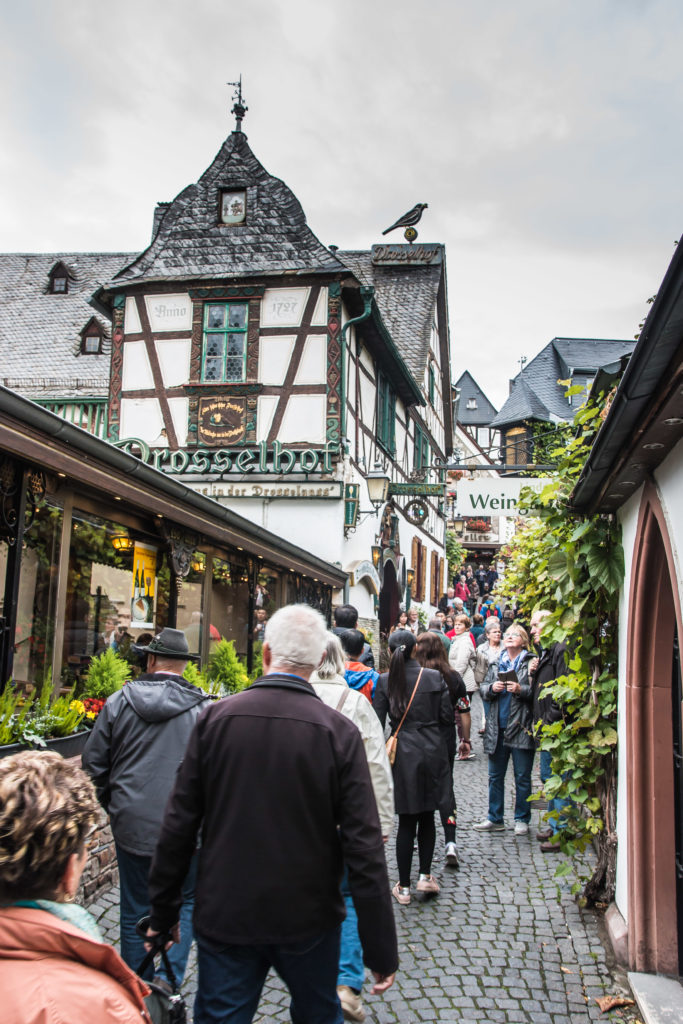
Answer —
654 620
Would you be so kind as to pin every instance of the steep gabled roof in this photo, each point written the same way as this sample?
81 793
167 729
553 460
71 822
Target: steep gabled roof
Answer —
406 297
40 333
484 411
535 393
189 243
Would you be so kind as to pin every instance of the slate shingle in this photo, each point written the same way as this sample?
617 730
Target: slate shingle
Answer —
406 297
484 412
536 394
190 244
40 333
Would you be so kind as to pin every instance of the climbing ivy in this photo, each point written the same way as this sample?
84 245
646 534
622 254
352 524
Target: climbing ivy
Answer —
572 565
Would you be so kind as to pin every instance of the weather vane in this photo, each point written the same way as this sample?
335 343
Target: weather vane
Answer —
239 109
407 221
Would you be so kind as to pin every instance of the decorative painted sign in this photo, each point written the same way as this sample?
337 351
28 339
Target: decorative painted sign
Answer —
263 458
233 207
142 596
406 255
266 489
221 421
493 497
423 490
169 312
364 572
283 307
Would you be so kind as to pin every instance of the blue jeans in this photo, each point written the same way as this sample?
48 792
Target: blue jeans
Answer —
556 804
351 968
231 979
522 762
134 901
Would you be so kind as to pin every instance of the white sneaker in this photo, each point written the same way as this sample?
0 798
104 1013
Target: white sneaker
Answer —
521 828
489 826
452 860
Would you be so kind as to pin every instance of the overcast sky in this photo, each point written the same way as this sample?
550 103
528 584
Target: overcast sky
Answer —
546 136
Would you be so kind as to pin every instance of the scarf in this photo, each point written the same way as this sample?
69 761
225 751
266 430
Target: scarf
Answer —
70 912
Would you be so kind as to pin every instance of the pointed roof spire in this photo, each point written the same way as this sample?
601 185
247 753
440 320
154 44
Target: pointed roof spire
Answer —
239 108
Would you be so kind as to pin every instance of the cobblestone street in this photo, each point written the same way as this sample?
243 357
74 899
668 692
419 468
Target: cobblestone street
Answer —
503 942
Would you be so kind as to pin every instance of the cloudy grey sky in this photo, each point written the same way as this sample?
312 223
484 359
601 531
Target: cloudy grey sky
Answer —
546 136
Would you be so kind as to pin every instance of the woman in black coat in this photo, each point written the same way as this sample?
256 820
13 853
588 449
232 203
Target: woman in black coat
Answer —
422 777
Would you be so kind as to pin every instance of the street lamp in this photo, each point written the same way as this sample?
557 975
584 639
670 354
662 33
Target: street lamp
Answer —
378 488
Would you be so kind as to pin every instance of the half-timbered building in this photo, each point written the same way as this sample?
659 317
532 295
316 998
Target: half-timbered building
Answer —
276 375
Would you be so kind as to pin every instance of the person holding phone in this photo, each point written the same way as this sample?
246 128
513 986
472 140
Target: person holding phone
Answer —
509 732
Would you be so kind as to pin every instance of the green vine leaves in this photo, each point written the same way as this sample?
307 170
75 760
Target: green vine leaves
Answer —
573 566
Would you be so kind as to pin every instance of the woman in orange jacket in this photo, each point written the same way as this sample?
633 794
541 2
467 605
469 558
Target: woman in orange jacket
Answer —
54 966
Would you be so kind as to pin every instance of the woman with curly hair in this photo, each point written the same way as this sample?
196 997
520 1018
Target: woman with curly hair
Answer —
54 965
422 775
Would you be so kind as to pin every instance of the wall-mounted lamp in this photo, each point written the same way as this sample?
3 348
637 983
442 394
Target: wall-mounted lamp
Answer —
198 561
122 542
410 581
378 487
459 526
376 555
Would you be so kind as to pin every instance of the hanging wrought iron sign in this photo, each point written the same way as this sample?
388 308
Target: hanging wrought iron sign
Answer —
416 512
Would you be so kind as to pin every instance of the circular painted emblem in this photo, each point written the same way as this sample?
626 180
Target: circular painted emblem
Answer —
416 512
410 234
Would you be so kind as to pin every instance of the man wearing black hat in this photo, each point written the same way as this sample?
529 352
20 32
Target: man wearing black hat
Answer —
132 755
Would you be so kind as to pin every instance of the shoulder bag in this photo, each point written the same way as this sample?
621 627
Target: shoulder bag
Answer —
392 742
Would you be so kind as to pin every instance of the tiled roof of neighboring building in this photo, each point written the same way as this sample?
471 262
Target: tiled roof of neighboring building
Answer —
483 411
40 339
190 243
406 297
535 393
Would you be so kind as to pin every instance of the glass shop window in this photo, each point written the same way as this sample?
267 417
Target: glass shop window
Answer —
190 611
230 604
118 592
36 602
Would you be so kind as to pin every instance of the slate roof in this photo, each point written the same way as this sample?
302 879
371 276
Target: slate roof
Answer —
406 297
190 244
535 393
40 333
484 412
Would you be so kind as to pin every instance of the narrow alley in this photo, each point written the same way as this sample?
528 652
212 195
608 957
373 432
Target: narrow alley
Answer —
504 942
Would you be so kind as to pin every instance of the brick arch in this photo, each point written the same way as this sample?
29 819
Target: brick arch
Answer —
654 615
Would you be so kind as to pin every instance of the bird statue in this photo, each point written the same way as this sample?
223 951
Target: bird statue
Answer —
409 218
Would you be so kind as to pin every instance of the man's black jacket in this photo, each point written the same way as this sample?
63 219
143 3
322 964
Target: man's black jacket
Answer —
279 785
552 664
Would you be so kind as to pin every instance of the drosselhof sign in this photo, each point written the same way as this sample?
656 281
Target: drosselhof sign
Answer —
262 458
493 497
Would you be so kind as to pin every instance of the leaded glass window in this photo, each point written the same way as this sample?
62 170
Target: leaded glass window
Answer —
225 341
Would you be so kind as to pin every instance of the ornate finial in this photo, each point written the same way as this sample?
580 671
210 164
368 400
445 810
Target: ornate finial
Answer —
239 109
407 221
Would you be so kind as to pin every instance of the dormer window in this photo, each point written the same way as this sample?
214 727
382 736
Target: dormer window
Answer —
91 338
233 206
471 403
59 280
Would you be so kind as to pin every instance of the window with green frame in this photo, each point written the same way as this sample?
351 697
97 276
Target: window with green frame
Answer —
421 450
224 348
431 377
386 414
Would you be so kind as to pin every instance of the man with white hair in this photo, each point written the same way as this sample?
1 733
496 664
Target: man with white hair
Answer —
279 785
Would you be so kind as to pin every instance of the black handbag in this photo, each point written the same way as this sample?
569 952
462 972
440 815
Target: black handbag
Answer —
163 1007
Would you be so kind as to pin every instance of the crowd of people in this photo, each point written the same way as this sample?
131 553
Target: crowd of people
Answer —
256 825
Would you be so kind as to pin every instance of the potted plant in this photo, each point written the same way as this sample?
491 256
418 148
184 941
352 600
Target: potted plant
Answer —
106 674
36 721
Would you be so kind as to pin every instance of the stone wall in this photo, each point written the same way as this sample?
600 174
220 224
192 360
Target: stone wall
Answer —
101 872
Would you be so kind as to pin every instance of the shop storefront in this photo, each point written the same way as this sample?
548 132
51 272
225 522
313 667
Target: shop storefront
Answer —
97 549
